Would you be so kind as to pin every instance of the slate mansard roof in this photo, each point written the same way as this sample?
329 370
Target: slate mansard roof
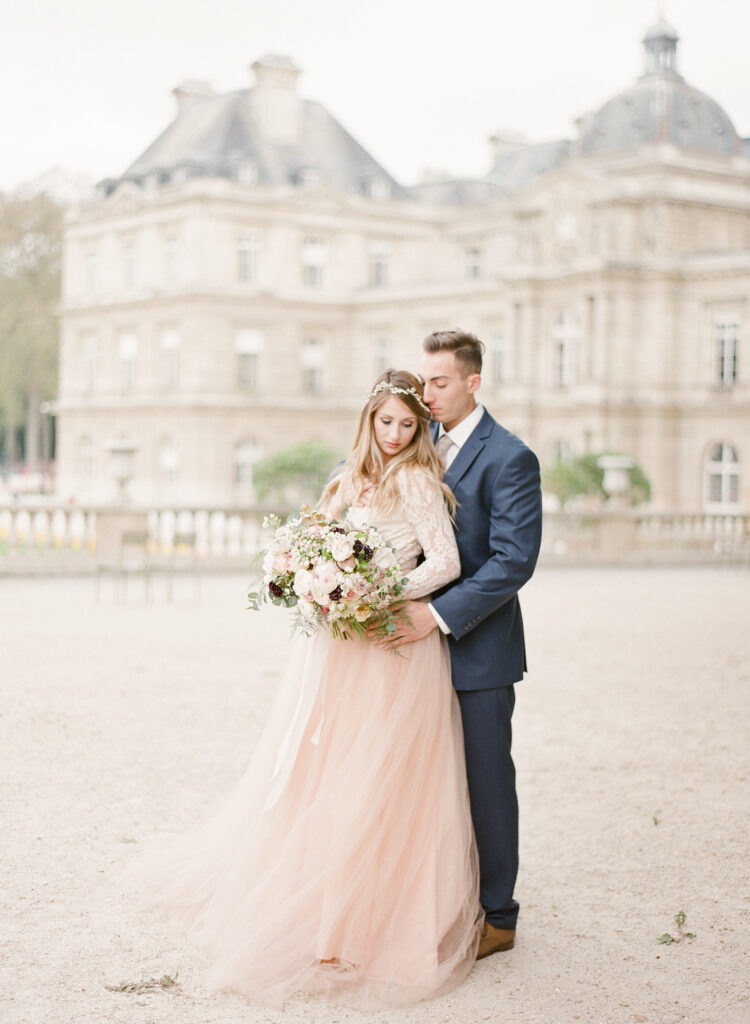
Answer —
228 135
219 135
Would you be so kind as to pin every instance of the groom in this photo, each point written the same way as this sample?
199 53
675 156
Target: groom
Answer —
495 479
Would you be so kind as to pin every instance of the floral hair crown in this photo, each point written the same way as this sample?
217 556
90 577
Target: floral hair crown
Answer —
384 385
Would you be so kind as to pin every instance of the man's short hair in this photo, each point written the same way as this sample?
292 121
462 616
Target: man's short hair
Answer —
467 348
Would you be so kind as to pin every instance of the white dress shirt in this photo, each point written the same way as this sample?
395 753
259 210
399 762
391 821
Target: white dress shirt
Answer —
459 435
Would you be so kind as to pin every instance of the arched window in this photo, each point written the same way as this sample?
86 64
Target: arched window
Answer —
565 339
722 477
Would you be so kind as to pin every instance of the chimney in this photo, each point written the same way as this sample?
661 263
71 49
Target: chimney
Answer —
191 91
504 142
274 99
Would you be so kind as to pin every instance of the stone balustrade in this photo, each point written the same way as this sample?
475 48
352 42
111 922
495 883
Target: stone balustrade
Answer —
70 538
53 537
633 536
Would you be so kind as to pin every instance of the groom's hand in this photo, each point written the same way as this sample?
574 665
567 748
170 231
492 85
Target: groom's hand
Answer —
414 621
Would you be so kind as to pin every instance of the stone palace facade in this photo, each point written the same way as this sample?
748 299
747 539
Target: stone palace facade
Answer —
239 287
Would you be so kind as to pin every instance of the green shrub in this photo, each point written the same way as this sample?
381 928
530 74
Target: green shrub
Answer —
294 475
581 476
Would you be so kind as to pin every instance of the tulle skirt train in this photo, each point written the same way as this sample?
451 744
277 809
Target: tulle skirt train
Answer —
343 861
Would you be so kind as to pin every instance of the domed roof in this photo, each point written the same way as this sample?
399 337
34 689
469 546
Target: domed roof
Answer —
660 107
661 29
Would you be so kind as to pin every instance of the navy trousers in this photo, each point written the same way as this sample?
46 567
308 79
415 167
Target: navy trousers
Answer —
492 791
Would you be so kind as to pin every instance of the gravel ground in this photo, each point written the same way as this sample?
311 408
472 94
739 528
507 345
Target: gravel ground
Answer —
633 753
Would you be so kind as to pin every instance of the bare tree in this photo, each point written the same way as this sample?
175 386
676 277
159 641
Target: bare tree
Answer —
30 256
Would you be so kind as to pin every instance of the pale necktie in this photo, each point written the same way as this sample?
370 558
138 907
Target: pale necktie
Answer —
444 445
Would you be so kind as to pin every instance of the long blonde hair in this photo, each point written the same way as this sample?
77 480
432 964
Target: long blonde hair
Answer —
365 464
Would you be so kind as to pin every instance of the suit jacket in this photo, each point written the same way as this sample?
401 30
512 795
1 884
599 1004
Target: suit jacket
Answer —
495 478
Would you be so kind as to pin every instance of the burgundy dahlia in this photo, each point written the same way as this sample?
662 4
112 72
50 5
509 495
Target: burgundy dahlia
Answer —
275 590
336 594
367 553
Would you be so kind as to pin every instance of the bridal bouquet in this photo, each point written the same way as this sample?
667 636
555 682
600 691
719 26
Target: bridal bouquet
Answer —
332 573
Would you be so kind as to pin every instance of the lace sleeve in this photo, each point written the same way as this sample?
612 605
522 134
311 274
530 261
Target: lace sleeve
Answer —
425 510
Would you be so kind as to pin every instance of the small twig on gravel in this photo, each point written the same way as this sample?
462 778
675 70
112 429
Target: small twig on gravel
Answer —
147 984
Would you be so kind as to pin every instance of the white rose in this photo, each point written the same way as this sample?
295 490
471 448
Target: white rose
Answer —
348 564
306 608
303 583
341 546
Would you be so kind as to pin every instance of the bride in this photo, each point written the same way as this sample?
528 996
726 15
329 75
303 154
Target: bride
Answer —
344 861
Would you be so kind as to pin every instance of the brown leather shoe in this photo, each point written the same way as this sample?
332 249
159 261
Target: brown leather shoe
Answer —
495 940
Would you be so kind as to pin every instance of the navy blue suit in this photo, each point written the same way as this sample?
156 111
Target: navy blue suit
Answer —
495 478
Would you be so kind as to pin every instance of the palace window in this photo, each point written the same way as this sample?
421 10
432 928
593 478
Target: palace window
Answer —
473 262
499 349
86 456
170 350
248 259
380 356
89 362
169 463
170 261
127 351
558 451
379 259
247 172
722 476
246 454
375 187
248 344
726 340
89 274
313 366
565 339
128 265
313 263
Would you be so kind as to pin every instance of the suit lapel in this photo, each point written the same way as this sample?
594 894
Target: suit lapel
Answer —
473 445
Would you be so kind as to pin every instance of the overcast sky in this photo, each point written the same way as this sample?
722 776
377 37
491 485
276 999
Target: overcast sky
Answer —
86 84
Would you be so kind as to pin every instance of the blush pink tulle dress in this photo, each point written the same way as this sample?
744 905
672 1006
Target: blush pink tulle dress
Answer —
343 862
